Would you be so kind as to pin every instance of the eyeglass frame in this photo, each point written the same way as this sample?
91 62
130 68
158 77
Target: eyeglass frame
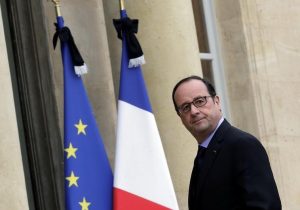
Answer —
179 108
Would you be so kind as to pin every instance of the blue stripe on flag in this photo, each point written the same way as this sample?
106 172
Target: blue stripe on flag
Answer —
132 85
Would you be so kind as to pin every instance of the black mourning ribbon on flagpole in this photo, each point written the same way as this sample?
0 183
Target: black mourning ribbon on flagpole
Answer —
128 28
64 34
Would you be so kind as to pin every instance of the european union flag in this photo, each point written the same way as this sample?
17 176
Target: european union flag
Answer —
88 176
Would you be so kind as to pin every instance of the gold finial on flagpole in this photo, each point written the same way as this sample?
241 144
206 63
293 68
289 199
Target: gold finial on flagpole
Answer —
57 7
122 5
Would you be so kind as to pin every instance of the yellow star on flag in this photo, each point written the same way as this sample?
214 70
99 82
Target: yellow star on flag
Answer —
80 127
84 204
72 179
71 151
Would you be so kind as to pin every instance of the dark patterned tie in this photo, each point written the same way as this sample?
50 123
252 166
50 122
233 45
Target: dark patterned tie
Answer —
200 156
195 174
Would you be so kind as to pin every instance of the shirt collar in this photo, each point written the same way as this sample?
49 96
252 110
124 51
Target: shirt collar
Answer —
206 142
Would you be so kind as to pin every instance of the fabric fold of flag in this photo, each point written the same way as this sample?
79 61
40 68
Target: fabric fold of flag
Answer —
88 176
142 180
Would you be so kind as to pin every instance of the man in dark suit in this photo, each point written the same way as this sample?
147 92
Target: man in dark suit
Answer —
231 170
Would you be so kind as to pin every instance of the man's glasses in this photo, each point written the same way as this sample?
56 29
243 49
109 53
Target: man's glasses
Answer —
197 102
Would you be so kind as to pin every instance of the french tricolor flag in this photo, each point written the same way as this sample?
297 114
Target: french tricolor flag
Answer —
141 177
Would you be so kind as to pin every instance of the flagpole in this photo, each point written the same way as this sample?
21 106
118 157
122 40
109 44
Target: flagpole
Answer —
57 7
122 5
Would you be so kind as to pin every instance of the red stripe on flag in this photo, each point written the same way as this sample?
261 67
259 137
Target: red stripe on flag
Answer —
127 201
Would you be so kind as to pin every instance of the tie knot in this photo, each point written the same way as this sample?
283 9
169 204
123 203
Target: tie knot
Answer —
201 151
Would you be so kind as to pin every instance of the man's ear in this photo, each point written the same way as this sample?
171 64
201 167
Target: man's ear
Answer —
217 99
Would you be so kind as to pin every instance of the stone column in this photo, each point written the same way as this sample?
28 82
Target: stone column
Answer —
13 189
168 37
272 35
261 54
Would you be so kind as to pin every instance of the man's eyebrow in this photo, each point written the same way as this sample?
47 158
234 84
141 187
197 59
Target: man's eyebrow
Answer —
197 97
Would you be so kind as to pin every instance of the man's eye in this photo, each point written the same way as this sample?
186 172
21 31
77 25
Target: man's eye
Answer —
199 101
185 108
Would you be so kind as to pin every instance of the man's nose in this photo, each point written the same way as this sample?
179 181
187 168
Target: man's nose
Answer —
194 109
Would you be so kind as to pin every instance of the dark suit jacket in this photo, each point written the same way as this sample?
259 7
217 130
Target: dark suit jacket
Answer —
235 174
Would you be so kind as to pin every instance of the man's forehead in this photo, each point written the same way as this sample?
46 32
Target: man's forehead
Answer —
192 85
190 90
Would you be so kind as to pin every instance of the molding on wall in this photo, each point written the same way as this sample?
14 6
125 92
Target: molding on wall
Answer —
38 116
258 64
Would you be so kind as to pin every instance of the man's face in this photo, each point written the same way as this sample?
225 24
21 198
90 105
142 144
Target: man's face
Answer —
199 121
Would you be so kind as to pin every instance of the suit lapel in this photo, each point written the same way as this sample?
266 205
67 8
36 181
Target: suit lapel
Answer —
211 154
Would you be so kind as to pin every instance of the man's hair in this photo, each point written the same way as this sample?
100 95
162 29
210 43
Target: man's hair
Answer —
209 86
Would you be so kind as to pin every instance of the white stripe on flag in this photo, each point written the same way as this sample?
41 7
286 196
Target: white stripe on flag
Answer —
140 166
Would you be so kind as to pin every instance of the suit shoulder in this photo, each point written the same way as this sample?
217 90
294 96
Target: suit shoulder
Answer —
239 137
246 148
